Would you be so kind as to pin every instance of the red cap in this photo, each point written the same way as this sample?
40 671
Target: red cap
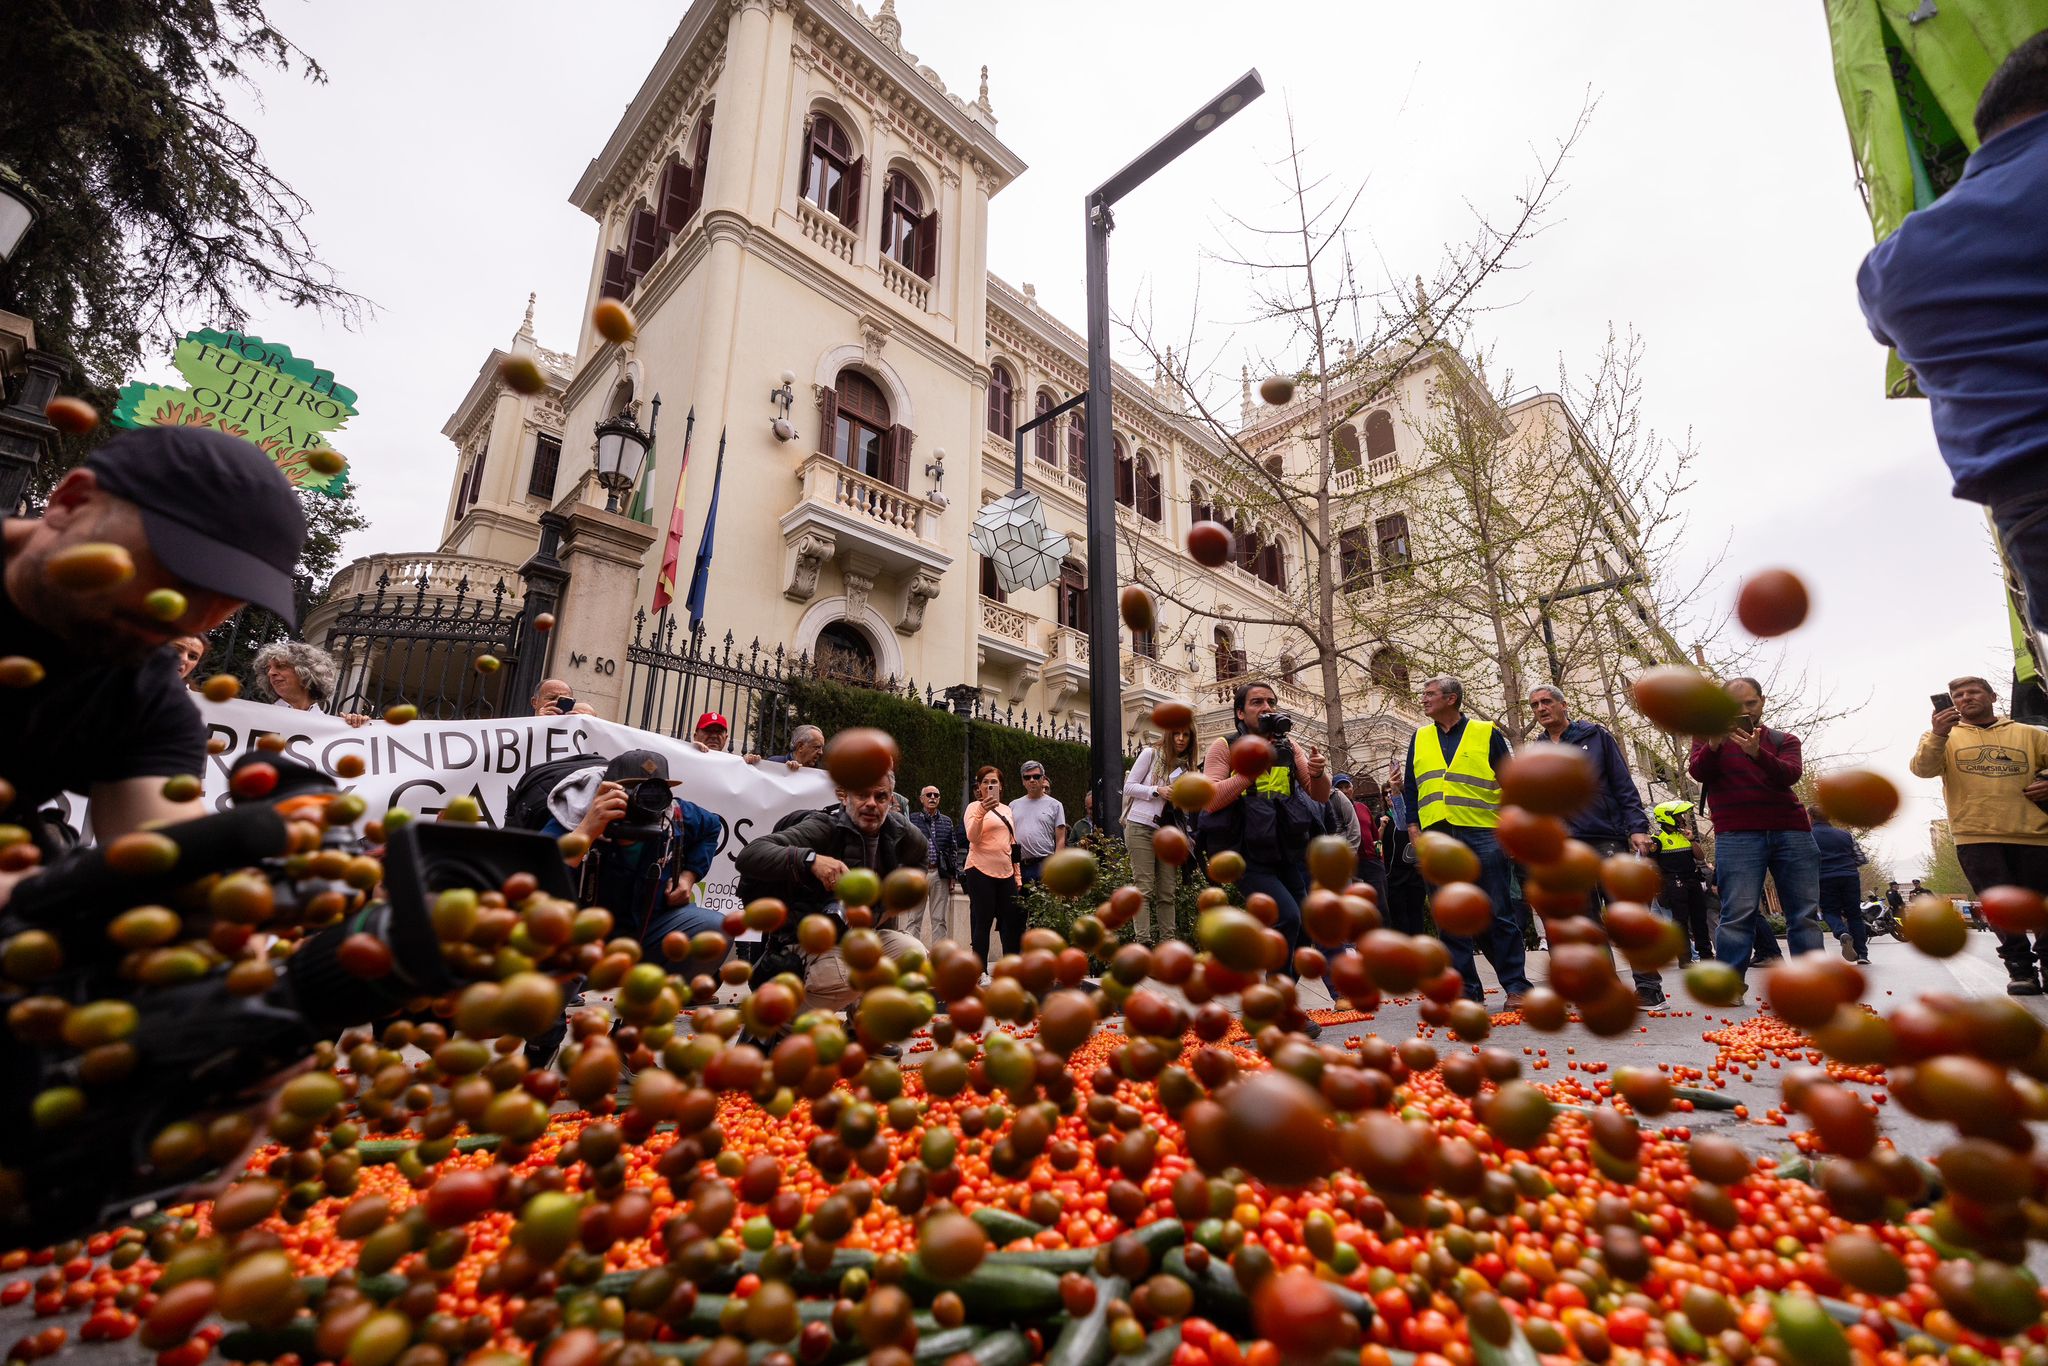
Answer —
712 718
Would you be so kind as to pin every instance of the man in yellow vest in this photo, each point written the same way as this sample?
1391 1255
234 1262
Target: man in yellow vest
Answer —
1452 788
1685 892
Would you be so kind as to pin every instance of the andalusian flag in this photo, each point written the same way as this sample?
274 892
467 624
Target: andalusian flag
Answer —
672 553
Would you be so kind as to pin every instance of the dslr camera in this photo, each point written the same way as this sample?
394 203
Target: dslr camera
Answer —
81 1114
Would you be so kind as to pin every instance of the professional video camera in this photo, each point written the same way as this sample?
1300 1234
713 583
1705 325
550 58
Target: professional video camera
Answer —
85 1095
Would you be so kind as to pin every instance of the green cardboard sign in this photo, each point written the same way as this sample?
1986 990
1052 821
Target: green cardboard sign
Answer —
251 388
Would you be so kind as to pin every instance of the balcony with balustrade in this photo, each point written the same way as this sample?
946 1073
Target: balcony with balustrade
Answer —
878 531
423 577
1065 671
828 232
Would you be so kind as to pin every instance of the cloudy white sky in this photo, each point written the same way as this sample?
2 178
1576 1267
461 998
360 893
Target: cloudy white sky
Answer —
1710 205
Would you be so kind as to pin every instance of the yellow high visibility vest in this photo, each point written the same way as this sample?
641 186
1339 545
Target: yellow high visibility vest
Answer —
1672 839
1669 834
1463 791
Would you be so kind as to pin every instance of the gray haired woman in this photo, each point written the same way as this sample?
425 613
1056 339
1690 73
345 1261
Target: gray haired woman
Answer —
300 676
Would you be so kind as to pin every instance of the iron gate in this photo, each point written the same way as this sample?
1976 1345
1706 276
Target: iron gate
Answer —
410 647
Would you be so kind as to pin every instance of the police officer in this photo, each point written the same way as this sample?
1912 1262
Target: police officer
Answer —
1271 818
1685 891
1453 788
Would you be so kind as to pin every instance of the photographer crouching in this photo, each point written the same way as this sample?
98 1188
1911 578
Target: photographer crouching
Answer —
131 552
803 863
1271 818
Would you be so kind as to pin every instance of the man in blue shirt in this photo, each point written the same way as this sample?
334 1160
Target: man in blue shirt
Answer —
1961 290
1841 890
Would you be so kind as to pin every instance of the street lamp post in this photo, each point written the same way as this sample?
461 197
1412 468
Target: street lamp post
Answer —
1544 602
1105 678
622 452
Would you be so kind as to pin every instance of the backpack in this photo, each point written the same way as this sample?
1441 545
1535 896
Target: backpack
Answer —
527 807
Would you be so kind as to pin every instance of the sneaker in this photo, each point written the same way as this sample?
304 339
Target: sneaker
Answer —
1863 961
2028 985
1848 948
1312 1029
1650 998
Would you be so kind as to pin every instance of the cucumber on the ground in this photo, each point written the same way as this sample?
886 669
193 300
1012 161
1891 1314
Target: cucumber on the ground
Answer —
1701 1100
268 1344
378 1152
1223 1301
993 1293
1085 1341
1516 1351
1002 1226
934 1347
1007 1348
1158 1349
1158 1237
380 1288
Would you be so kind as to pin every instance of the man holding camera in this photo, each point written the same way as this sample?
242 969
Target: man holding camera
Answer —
1992 783
1269 819
1453 788
1760 827
648 851
555 698
802 864
133 550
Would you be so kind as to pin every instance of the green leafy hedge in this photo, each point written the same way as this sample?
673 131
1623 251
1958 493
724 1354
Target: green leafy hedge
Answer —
1113 870
941 749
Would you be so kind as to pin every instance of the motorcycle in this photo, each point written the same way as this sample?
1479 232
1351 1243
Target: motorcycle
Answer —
1878 919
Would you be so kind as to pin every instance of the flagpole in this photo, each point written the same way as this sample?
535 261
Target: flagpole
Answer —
672 551
700 574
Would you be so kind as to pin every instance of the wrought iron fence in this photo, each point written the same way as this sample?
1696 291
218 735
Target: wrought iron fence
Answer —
409 647
670 683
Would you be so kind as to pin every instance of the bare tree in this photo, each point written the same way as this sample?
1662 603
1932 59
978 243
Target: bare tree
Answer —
1302 282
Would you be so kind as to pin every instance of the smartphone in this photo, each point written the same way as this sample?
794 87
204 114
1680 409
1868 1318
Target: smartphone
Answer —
565 705
1942 701
1746 724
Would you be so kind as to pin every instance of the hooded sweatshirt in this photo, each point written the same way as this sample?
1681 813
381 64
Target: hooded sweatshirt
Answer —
1983 770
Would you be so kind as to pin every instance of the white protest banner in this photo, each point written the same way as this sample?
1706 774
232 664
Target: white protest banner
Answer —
421 764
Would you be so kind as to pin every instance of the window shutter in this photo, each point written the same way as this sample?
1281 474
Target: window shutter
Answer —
614 286
675 197
547 462
643 245
924 246
702 166
896 448
803 163
828 418
850 214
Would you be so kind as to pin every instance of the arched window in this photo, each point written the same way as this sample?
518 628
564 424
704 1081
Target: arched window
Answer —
862 438
1379 435
1199 509
1126 474
1389 669
643 243
1077 445
1230 661
1272 565
1002 402
1151 496
831 175
1344 447
910 235
1354 559
1248 550
1042 438
845 653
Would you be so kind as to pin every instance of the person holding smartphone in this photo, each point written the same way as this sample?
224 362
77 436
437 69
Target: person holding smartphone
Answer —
1994 779
555 698
993 874
1760 827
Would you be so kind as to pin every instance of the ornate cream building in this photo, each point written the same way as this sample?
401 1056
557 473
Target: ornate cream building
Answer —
790 193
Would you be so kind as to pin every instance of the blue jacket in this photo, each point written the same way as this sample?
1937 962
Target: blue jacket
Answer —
1616 812
1961 289
941 841
1840 855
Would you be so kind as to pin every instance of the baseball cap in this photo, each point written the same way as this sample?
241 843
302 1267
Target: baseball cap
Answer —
218 513
714 720
639 766
1342 780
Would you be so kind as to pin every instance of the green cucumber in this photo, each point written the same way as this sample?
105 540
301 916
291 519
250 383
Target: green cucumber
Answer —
1701 1100
1157 1237
1516 1351
381 1152
1158 1349
1224 1302
992 1292
936 1347
1007 1348
268 1344
380 1288
1003 1227
1085 1341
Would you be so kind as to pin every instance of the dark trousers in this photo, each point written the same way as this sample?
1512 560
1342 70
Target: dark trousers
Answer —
1841 905
1287 884
2023 531
1684 899
1608 848
992 905
2010 865
1373 874
1502 943
1404 903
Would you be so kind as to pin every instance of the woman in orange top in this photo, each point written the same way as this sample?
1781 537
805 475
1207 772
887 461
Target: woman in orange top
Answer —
992 876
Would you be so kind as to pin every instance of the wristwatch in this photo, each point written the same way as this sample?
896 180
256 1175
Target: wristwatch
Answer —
810 857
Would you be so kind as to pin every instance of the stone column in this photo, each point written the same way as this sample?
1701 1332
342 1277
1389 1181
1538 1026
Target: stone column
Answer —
601 554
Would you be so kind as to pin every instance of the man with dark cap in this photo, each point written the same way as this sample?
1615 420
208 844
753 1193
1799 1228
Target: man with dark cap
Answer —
163 532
